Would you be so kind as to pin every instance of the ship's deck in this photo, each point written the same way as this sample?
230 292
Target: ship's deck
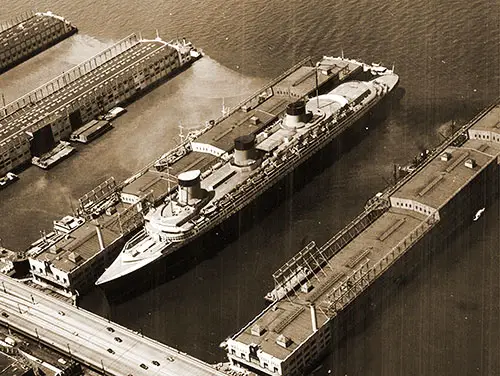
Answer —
80 88
256 116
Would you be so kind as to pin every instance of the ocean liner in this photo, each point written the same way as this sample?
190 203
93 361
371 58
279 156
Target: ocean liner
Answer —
204 198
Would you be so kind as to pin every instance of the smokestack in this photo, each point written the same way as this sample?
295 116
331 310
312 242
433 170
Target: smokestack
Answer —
313 318
99 236
244 147
189 186
296 115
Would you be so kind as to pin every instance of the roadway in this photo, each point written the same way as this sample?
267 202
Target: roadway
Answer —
89 338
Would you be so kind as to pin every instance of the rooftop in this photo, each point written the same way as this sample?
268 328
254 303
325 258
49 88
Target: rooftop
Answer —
81 87
151 182
302 82
73 249
440 180
21 31
292 318
490 122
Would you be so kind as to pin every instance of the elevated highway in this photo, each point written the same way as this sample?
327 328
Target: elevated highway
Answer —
91 339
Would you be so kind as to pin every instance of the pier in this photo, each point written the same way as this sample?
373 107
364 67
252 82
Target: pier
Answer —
33 124
30 34
315 290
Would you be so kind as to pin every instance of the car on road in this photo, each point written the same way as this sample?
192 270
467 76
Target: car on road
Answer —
143 366
5 314
61 313
155 362
110 329
111 351
118 339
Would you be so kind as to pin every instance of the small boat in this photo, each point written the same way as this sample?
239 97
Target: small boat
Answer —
114 113
8 179
60 152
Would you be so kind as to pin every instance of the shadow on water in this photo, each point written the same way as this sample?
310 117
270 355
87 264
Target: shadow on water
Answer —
208 245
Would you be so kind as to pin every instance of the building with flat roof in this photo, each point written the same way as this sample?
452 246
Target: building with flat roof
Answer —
448 191
34 123
30 34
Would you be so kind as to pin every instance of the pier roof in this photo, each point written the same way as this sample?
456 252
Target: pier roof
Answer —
489 122
81 88
72 250
302 82
440 180
291 316
395 229
26 28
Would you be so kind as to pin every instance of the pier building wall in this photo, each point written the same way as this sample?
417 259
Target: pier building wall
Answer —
109 89
446 195
30 34
70 262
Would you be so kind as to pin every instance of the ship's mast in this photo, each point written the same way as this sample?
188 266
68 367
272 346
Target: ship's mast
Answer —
168 187
181 135
225 110
317 89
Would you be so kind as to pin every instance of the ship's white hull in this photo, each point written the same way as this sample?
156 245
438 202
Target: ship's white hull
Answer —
121 268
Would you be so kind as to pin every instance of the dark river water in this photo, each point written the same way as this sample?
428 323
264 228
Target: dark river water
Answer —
444 321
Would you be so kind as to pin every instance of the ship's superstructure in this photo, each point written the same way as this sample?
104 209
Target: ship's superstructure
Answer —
255 159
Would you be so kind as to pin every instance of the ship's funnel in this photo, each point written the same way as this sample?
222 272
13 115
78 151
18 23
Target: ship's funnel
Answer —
189 186
244 150
296 114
